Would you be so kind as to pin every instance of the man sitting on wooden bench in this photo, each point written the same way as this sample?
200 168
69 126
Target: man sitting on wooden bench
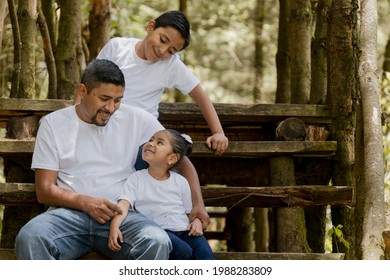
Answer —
83 155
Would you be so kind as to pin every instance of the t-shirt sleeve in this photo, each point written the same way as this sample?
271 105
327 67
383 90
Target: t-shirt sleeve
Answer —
106 51
45 154
129 189
182 78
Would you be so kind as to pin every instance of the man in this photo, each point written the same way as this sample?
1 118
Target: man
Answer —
83 155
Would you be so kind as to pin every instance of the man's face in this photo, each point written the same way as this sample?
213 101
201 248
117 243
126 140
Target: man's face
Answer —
161 43
97 106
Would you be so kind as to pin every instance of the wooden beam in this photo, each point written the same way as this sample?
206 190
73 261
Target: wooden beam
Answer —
236 148
284 196
189 112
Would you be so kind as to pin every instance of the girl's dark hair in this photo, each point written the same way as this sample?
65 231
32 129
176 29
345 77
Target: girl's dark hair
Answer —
181 145
102 71
176 20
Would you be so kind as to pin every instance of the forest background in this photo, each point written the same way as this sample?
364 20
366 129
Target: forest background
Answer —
221 53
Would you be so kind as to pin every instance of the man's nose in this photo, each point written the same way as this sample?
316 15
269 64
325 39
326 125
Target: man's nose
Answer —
110 106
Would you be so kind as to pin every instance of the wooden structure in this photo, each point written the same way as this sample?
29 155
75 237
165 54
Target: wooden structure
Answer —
239 178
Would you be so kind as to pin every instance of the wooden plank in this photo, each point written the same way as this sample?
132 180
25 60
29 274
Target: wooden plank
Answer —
188 112
272 196
286 196
8 254
276 256
236 148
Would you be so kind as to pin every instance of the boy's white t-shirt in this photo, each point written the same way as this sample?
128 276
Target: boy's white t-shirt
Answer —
92 160
165 202
146 81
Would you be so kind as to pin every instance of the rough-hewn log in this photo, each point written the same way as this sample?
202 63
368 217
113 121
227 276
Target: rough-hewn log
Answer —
8 254
237 196
236 148
178 112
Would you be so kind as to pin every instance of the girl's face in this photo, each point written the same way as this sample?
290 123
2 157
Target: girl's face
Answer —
158 151
160 43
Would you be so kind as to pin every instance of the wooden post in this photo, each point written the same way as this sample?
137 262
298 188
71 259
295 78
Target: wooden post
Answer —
18 169
290 221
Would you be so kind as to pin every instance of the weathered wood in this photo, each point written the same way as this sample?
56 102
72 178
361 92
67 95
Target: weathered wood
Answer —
291 129
178 112
8 254
236 148
286 196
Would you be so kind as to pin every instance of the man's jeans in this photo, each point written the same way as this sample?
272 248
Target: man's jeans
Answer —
69 234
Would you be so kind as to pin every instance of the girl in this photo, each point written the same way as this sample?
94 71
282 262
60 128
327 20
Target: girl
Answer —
163 196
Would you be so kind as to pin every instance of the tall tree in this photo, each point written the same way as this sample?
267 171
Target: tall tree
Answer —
49 55
342 93
370 202
99 26
319 64
258 55
283 54
3 12
68 48
300 42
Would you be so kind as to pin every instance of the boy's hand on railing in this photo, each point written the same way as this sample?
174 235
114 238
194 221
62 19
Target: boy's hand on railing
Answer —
218 142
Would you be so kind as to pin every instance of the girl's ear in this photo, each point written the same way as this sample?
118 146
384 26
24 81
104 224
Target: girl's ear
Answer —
173 158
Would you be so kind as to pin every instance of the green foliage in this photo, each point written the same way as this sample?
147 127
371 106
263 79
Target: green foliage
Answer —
337 234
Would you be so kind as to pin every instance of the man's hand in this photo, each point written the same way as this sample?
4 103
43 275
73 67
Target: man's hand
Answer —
201 214
102 210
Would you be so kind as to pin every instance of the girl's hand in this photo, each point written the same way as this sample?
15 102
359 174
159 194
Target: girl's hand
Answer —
195 228
113 238
218 142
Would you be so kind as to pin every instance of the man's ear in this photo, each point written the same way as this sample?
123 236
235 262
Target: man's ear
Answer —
81 90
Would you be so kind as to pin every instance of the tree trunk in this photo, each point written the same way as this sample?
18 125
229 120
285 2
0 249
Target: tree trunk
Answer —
99 26
49 56
258 56
283 54
17 49
342 91
386 62
300 42
290 222
3 12
68 46
27 17
371 195
319 90
49 12
239 228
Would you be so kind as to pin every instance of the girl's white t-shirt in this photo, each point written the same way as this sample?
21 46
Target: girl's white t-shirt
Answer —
166 202
146 81
92 160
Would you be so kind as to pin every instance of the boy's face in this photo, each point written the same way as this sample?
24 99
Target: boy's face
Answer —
161 43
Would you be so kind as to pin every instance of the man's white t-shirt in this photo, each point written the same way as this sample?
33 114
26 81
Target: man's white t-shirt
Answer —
165 202
92 160
146 81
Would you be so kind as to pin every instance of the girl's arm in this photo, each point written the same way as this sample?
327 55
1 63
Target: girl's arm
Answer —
195 228
218 141
115 233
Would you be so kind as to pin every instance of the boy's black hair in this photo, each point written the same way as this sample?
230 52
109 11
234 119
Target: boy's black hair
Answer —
177 20
102 71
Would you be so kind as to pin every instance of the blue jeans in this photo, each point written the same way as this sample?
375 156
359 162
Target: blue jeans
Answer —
186 247
69 234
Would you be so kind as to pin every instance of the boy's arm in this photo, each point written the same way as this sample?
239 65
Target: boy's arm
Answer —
218 141
198 209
